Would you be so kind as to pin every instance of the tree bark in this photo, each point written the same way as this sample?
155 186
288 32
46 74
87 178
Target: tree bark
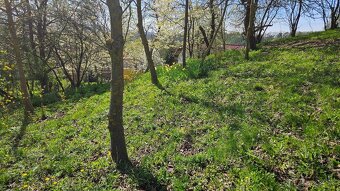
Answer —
58 80
148 54
115 47
41 36
213 18
251 26
17 54
205 38
335 14
252 40
191 38
186 19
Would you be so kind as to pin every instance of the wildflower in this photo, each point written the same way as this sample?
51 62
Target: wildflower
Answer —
24 174
47 179
7 68
54 183
25 186
82 170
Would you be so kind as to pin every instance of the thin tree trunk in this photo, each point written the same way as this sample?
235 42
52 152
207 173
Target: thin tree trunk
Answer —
185 32
17 54
145 43
207 51
31 33
44 83
223 33
191 38
251 26
213 17
115 46
324 16
205 38
41 36
58 80
295 23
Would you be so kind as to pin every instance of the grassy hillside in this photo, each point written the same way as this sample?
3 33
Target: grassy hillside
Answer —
271 123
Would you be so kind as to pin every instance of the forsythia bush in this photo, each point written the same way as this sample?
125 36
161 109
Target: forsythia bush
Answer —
129 74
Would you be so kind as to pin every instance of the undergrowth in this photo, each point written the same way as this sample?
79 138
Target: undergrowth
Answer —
270 123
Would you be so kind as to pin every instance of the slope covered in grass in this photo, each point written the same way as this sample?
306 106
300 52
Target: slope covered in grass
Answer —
265 124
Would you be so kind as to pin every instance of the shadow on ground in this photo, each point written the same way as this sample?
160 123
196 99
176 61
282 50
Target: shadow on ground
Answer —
142 177
222 110
18 137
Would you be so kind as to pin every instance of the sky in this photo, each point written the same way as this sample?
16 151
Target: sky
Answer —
305 24
280 25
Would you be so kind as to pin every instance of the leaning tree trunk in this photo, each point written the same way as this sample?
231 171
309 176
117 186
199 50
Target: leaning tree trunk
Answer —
207 51
185 32
145 43
17 54
205 38
115 46
251 27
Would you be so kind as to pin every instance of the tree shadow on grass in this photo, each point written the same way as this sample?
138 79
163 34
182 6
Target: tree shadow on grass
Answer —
141 176
18 137
222 110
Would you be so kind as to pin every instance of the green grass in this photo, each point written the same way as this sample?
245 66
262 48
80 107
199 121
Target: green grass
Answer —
271 123
315 39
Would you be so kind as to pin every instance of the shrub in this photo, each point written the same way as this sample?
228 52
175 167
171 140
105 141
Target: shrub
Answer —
49 98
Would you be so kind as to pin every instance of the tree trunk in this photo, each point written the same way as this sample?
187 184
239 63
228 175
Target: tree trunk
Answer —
323 13
31 34
145 43
252 19
17 54
251 37
293 32
185 32
115 47
44 84
41 36
207 51
251 26
191 38
334 20
58 80
205 38
247 14
295 22
223 33
213 17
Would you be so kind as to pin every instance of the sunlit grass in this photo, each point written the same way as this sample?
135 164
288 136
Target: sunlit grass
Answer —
271 123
